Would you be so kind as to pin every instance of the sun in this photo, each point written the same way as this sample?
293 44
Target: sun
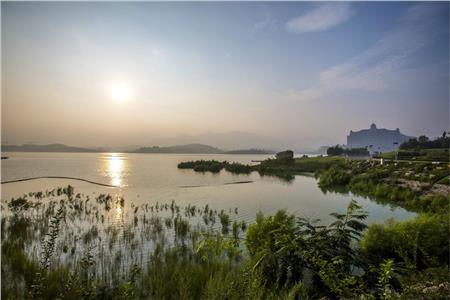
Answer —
120 92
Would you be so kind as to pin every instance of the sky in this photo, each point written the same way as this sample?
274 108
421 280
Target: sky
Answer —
233 75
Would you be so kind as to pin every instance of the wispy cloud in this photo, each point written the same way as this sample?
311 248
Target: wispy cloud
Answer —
321 18
375 69
268 22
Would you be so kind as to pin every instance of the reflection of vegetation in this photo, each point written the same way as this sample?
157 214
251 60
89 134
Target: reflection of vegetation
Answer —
415 186
284 166
284 257
235 168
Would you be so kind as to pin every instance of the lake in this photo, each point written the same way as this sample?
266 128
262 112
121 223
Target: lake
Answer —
155 178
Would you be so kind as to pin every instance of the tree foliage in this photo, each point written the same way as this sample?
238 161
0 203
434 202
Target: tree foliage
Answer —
423 142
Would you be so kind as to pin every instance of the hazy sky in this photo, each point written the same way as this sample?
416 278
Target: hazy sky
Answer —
298 75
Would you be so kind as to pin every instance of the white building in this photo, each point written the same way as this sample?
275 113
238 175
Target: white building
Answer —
376 140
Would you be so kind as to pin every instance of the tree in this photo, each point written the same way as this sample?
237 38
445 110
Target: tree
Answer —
285 156
410 144
423 139
336 150
423 142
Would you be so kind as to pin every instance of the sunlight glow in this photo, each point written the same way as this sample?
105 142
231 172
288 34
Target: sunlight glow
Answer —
120 92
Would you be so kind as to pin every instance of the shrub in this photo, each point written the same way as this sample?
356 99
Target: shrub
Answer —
238 168
334 176
285 157
421 242
334 151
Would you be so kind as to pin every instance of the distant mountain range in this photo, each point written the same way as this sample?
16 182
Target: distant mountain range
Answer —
45 148
250 151
197 148
181 149
189 148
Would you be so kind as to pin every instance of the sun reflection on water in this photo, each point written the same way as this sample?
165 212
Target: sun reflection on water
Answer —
115 167
119 215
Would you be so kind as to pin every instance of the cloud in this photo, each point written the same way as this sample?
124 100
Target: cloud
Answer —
268 22
321 18
378 67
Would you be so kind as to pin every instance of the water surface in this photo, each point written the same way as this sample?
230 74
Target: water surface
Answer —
152 178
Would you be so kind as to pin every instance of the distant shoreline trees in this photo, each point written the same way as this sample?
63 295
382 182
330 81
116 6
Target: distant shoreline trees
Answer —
423 142
338 150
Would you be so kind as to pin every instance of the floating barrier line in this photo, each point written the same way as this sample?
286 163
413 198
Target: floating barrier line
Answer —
60 177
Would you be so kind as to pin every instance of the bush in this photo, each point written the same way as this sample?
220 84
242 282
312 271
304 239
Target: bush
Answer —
285 157
432 283
421 242
334 151
238 168
215 166
334 176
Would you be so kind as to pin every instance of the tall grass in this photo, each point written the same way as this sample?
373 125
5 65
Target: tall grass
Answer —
61 245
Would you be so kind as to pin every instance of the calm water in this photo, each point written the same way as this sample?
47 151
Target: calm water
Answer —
151 178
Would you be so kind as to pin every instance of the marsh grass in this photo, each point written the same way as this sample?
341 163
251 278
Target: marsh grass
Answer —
99 242
61 245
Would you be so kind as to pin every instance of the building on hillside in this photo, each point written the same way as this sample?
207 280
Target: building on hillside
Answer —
376 140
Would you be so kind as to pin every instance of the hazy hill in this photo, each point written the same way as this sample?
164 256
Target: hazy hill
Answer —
189 148
250 151
198 148
44 148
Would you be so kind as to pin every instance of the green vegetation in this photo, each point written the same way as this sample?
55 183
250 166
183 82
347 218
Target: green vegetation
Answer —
238 168
422 149
215 166
419 243
299 165
418 186
334 176
395 260
62 245
423 142
411 185
441 155
283 165
338 150
285 157
282 159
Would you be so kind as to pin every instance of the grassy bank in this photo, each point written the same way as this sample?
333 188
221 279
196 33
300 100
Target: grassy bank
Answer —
62 245
418 186
441 155
270 167
415 186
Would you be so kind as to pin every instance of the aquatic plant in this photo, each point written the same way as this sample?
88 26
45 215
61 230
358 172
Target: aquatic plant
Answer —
60 245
